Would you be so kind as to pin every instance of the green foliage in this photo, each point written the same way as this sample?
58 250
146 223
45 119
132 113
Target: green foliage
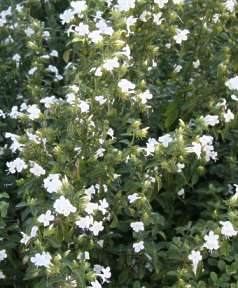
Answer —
140 129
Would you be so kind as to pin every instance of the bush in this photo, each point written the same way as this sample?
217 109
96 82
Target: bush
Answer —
119 143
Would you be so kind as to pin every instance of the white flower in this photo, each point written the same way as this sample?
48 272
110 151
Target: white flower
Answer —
178 1
67 16
32 71
95 284
90 191
126 86
104 28
3 254
54 53
42 260
130 21
195 148
16 58
2 114
232 83
48 101
16 165
82 29
33 112
137 226
196 64
96 227
211 241
151 146
15 142
211 120
103 206
85 222
52 183
36 169
63 206
104 273
234 97
230 5
181 192
133 197
195 257
138 246
111 64
46 218
26 238
177 68
207 146
125 5
161 3
14 114
95 36
29 32
78 6
84 107
91 208
227 229
101 99
165 140
181 35
228 116
145 96
157 18
180 167
2 276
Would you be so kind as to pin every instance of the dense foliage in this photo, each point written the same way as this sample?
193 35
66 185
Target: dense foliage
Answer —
119 143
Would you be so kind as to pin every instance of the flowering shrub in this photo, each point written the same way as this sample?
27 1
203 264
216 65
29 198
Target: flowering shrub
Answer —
119 143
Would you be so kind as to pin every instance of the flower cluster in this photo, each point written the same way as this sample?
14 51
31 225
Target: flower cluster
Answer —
118 140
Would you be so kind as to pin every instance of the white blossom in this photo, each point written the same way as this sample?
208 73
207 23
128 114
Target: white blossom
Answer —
161 3
126 86
95 284
138 246
46 218
145 96
96 227
211 241
158 18
52 183
181 35
63 206
230 5
17 165
227 229
211 120
196 64
228 116
36 169
33 112
3 254
133 197
137 226
125 5
42 260
165 140
195 257
232 83
151 146
111 64
85 222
